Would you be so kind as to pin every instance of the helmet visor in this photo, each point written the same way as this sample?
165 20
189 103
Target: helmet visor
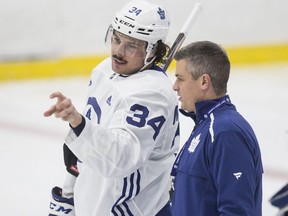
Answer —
124 45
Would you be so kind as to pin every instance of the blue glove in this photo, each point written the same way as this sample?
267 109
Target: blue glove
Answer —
60 206
280 200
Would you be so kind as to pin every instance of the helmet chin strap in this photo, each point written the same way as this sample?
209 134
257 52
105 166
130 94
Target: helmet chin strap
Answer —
150 49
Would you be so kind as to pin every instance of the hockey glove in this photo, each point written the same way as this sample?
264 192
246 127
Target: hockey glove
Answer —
280 200
60 206
70 161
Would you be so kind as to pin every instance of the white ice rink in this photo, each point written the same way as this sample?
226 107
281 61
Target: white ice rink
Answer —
31 145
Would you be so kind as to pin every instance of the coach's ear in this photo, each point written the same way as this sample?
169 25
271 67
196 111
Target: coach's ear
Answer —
205 82
207 87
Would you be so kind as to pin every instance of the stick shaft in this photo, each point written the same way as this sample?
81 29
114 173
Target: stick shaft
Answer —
182 35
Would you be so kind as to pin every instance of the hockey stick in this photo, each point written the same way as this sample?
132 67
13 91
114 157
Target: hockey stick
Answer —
182 35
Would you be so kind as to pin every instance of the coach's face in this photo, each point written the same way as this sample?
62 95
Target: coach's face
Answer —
127 53
188 89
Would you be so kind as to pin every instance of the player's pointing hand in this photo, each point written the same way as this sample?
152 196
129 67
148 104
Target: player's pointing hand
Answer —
64 109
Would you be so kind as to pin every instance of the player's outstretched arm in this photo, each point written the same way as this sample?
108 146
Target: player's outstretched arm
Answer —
64 109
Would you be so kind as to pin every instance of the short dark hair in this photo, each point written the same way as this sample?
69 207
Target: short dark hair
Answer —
206 57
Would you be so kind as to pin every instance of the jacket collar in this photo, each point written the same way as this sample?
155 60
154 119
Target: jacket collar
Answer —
205 108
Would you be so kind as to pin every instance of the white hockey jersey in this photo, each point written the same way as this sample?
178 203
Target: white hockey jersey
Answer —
126 149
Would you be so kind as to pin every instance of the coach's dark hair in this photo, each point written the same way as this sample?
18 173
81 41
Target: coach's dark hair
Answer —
205 57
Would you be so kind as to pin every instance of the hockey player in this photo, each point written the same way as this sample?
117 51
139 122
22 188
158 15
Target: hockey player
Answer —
280 200
219 170
124 141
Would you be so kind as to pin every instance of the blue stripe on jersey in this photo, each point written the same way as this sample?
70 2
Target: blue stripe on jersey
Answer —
138 182
157 68
130 190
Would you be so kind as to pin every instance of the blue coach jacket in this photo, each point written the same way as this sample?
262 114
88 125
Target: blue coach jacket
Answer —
219 169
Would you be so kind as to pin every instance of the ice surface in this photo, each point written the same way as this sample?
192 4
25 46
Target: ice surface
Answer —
31 145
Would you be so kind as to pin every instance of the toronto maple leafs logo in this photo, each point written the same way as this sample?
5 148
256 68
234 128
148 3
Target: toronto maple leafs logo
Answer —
194 143
161 13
